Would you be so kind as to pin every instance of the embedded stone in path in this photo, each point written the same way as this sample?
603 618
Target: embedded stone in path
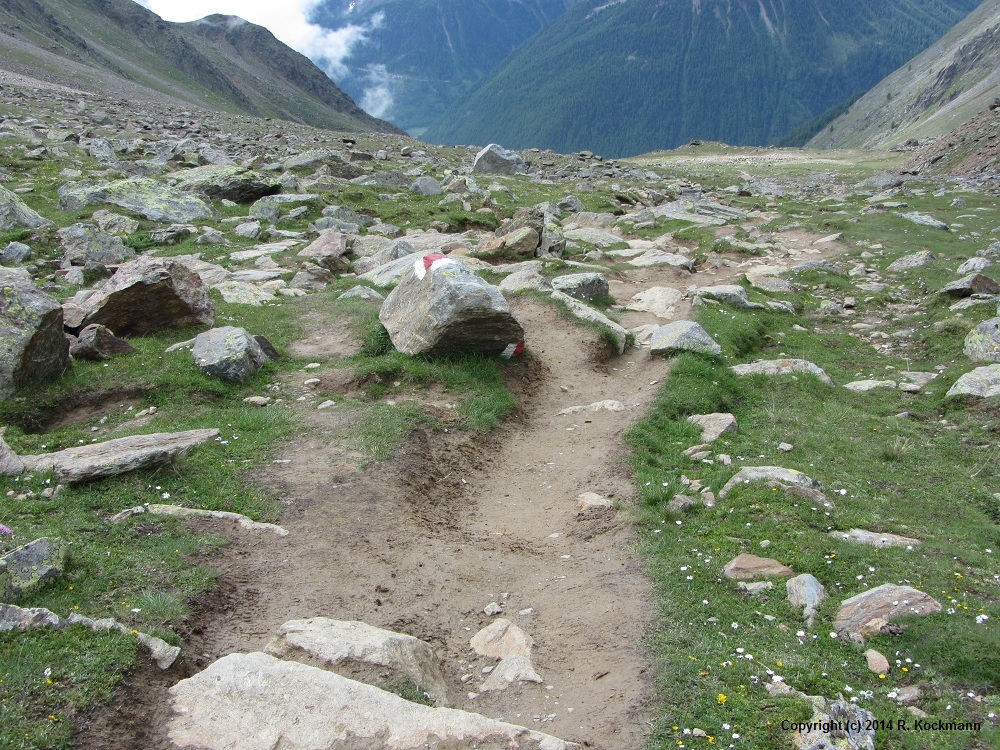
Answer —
517 668
88 462
874 539
683 336
584 286
97 343
495 159
983 382
772 474
775 367
257 702
661 301
607 405
501 639
748 567
441 306
591 502
714 426
983 342
586 313
361 652
245 522
869 612
773 284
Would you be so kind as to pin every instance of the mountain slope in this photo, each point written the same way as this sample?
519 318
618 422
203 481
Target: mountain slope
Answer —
945 86
420 56
630 76
220 62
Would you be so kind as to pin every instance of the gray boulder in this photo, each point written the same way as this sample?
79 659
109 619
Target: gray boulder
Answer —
993 251
85 245
32 345
14 213
313 277
683 336
426 186
714 426
975 283
14 253
329 250
154 200
362 292
269 207
97 343
31 566
149 294
588 314
257 702
228 353
983 342
983 382
730 294
914 260
585 286
661 301
495 159
361 652
222 182
441 306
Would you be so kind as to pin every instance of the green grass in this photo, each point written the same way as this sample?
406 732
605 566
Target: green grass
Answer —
919 476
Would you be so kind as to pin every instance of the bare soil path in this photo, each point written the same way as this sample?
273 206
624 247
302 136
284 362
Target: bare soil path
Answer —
454 521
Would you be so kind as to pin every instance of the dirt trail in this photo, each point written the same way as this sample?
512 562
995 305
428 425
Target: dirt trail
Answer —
423 542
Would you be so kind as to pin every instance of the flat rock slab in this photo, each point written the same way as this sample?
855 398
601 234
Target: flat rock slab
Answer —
983 342
257 702
89 462
775 367
32 345
863 386
874 539
772 474
361 652
245 522
501 639
154 200
747 567
773 284
867 613
607 405
659 300
714 426
983 382
660 258
914 260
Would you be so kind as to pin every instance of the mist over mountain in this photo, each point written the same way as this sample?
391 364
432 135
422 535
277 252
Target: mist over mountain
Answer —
412 59
630 76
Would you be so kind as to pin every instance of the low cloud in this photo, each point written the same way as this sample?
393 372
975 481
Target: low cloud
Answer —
377 99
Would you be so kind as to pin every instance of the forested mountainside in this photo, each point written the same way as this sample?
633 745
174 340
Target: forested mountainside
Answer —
420 56
637 75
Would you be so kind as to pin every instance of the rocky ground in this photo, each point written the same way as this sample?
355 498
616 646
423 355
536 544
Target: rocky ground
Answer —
129 222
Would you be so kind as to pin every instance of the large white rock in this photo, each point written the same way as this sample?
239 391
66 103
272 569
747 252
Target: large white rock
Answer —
775 474
983 382
359 651
774 367
257 702
661 301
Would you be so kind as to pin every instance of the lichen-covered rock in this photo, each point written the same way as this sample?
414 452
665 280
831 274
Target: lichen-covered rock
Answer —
98 343
775 367
32 345
149 294
269 207
85 245
361 652
983 382
222 182
714 426
777 475
585 286
426 186
31 566
983 342
867 613
730 294
14 253
442 306
228 353
683 336
14 213
154 200
495 159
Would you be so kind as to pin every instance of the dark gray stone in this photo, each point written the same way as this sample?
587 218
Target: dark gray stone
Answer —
495 159
31 566
85 245
97 343
228 353
32 345
14 253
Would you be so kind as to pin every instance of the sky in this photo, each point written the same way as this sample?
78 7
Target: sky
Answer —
288 20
